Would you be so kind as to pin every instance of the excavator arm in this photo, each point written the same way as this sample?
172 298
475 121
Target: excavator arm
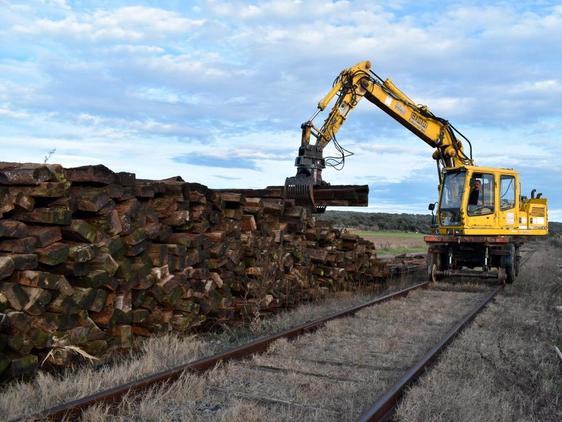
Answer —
352 85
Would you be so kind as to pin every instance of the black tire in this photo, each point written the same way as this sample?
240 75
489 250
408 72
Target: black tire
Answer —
509 264
433 260
517 261
429 261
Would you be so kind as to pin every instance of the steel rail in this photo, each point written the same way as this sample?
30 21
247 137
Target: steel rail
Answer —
72 410
385 406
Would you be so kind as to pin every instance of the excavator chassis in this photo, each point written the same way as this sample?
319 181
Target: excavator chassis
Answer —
495 257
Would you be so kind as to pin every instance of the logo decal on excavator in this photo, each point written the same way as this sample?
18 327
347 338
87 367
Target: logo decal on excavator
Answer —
418 121
400 108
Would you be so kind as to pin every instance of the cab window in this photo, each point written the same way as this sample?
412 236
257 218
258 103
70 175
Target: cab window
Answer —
451 198
507 192
481 194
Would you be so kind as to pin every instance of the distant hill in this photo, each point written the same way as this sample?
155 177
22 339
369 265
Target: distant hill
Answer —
555 227
386 221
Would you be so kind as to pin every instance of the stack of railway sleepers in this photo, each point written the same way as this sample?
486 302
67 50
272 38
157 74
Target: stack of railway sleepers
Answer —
91 259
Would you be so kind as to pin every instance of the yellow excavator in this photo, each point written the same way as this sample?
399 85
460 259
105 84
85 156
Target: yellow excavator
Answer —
481 217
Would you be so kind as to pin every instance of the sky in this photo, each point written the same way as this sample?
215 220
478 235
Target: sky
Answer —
216 91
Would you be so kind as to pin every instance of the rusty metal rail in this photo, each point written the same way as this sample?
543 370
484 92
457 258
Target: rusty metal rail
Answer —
385 406
72 410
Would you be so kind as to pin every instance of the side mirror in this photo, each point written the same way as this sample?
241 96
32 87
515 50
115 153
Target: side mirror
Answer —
431 207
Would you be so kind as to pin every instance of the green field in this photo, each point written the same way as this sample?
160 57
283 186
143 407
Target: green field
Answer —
394 242
389 234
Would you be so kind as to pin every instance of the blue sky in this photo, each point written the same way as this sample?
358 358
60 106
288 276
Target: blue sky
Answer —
216 91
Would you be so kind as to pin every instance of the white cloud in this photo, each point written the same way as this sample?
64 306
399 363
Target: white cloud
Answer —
13 114
132 23
183 65
389 207
278 9
548 86
555 214
449 106
62 4
135 49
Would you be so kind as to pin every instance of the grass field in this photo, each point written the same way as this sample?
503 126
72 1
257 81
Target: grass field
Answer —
394 242
504 367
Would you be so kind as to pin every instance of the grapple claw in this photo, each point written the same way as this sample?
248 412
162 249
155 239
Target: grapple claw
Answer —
301 189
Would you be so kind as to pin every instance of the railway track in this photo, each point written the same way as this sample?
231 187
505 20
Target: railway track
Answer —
364 352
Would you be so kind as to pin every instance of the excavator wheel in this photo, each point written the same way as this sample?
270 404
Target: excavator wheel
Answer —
433 262
517 260
509 264
502 276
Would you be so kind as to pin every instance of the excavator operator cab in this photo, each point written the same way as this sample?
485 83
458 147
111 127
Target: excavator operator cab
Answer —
481 200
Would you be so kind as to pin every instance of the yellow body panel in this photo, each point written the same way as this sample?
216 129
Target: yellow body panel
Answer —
527 217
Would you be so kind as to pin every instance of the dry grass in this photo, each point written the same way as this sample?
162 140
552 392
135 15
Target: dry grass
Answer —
504 367
327 375
158 353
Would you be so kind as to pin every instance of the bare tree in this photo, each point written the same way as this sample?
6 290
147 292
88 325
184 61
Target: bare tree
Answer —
49 154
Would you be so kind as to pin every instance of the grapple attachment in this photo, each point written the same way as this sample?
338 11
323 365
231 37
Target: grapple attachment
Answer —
310 164
301 189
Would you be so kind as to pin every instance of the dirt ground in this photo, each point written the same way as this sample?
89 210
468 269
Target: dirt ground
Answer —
504 367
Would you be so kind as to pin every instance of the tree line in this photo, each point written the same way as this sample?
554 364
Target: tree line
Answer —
380 221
